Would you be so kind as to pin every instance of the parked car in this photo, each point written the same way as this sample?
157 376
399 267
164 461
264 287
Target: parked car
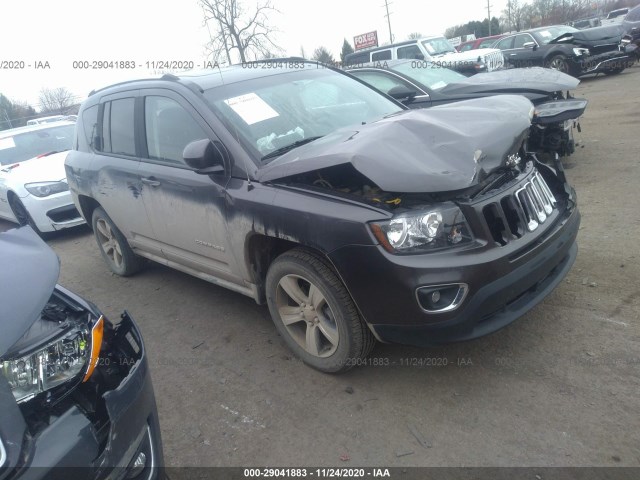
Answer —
75 390
351 216
551 47
615 16
434 49
484 42
586 23
631 25
33 183
420 84
52 118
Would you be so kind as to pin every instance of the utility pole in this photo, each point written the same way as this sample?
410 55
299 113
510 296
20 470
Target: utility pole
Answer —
510 27
388 15
489 13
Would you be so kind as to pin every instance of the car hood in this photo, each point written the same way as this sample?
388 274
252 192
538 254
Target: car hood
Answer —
524 81
43 169
27 278
467 55
446 148
595 35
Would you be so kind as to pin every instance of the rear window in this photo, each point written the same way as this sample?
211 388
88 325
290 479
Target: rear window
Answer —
25 146
118 129
383 55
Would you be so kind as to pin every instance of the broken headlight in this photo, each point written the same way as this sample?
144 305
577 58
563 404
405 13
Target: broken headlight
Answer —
70 357
434 229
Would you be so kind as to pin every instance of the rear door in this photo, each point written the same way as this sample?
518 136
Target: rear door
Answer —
117 185
186 209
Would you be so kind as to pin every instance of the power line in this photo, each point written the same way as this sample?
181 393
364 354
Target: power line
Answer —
388 15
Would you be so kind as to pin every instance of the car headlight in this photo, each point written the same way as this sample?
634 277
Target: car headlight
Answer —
580 51
434 229
44 189
71 357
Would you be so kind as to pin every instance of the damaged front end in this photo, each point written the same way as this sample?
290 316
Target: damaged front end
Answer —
80 395
553 124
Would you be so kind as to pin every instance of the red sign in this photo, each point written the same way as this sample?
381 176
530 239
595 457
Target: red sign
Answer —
366 40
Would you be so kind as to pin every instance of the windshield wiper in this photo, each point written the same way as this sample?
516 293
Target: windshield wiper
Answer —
282 150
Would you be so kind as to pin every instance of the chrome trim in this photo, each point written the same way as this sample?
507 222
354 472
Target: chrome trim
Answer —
536 201
463 289
3 454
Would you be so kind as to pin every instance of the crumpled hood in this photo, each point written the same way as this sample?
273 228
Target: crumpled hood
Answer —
593 36
27 278
439 149
533 82
44 169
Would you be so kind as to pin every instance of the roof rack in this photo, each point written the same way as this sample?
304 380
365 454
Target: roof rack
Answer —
167 76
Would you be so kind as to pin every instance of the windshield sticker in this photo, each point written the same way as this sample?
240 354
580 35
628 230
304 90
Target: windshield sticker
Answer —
439 84
6 143
429 48
545 34
251 108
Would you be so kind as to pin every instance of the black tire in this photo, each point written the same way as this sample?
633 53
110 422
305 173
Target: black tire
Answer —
558 62
21 213
113 246
338 314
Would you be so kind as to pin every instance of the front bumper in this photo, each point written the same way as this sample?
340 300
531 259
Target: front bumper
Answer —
608 61
72 445
52 213
503 284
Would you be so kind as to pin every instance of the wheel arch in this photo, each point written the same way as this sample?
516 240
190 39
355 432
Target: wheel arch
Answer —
87 206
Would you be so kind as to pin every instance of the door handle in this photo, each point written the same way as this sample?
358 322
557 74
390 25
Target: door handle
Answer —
151 181
513 54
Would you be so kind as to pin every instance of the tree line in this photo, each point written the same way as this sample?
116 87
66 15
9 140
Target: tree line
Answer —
522 14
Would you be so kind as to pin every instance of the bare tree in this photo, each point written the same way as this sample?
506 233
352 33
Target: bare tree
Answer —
238 30
322 55
55 100
414 36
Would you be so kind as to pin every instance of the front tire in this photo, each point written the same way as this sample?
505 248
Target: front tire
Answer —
22 215
114 246
314 313
559 63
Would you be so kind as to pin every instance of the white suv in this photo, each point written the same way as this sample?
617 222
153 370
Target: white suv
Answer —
437 50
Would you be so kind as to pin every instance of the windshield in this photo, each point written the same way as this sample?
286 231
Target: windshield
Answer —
277 111
438 46
27 145
429 74
551 33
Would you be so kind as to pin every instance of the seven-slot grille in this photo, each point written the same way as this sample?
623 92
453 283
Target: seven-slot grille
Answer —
521 211
494 61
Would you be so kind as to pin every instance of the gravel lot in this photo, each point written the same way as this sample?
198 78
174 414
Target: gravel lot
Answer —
559 387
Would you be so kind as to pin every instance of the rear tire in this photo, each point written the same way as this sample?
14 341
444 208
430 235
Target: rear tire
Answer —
114 246
314 313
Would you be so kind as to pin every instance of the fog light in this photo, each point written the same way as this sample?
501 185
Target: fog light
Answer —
441 298
137 467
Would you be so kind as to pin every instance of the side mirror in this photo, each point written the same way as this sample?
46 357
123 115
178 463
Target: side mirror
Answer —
530 45
205 157
402 93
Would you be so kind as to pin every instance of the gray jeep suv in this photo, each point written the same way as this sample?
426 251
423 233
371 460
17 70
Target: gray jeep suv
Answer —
351 216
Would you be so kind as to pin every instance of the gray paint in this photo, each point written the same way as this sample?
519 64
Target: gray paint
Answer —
445 148
28 275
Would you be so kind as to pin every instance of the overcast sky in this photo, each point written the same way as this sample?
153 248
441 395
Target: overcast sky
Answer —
63 31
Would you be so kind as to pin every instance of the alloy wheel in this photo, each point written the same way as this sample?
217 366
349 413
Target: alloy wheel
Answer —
307 316
108 242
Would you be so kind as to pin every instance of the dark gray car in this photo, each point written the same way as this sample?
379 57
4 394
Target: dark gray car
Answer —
76 399
351 216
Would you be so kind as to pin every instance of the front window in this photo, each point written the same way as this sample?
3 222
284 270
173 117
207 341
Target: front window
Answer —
551 33
25 146
438 46
429 74
276 111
